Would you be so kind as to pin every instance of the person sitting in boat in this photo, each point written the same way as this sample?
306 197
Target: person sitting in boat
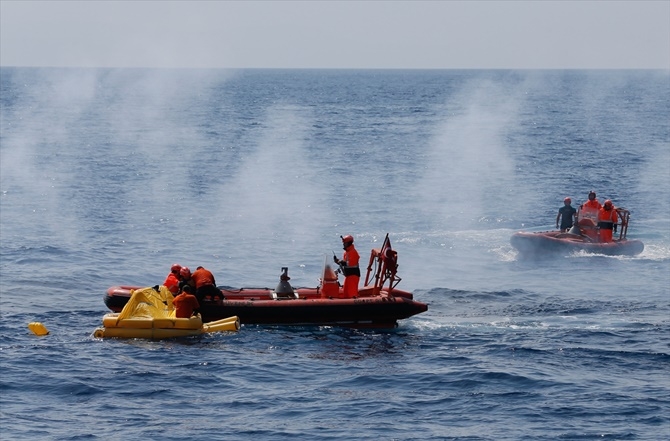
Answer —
349 266
172 280
205 285
607 221
567 214
185 304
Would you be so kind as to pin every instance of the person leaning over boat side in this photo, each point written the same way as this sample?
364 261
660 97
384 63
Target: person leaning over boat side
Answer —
607 221
185 304
205 285
185 278
567 212
349 266
172 280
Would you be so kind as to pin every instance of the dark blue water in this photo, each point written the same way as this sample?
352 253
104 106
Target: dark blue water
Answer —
110 176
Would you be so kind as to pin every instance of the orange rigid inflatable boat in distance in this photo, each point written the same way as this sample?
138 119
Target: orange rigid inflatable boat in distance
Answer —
379 303
583 236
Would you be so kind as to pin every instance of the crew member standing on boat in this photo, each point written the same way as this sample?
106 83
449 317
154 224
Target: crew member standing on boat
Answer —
587 218
172 280
607 221
205 285
567 212
592 203
349 266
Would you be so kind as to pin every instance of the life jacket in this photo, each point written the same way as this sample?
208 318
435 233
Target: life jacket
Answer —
172 283
350 261
589 210
607 218
592 204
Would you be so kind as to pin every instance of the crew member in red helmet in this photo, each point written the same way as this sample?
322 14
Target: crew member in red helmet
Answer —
185 274
607 221
172 280
349 266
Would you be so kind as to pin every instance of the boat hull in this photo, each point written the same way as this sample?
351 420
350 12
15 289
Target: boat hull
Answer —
558 242
307 306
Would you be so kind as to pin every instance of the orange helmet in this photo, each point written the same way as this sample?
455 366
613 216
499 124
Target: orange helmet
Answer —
175 268
185 272
348 238
607 204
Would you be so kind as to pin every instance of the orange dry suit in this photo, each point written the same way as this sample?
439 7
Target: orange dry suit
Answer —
591 205
607 220
205 285
588 218
351 271
185 304
172 283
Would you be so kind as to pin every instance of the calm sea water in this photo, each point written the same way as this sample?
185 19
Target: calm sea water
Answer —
110 176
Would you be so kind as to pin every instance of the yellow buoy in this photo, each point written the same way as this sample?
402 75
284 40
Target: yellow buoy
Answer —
38 328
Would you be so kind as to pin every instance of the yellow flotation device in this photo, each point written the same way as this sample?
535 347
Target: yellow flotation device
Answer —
149 314
38 328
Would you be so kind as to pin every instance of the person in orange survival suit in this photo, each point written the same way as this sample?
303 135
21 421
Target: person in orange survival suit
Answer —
349 266
587 217
592 203
172 280
185 278
205 285
185 304
607 221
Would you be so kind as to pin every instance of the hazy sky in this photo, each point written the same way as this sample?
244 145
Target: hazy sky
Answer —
336 34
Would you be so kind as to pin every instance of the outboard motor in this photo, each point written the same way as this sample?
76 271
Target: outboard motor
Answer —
575 230
284 288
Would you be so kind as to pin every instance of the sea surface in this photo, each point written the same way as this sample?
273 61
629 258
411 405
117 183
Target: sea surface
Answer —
109 176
